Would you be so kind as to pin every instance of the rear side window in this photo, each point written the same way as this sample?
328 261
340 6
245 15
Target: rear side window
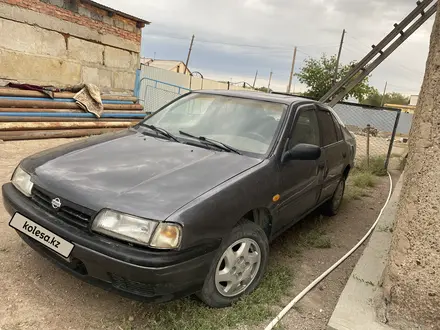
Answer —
338 129
328 129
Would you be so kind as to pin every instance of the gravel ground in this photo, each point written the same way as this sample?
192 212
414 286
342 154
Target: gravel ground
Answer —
37 295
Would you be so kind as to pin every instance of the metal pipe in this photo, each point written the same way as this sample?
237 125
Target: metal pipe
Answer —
63 119
60 95
393 136
61 105
65 110
53 134
22 126
27 98
72 115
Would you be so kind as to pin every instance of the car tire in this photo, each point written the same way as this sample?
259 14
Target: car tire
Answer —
242 261
331 207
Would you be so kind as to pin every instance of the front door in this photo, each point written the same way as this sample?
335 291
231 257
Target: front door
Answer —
333 153
299 179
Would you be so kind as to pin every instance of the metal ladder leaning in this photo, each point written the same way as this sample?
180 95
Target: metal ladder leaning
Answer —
381 51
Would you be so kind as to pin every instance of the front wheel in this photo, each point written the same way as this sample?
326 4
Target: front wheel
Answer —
331 207
238 267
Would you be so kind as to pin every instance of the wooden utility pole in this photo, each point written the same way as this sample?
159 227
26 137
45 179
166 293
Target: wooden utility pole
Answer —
384 93
270 79
189 54
292 71
255 79
335 77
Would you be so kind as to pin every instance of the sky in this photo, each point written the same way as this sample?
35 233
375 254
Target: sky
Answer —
234 38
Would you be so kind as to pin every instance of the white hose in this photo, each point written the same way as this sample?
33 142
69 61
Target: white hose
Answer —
333 267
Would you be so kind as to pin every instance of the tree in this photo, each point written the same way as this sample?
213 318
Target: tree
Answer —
375 98
412 279
318 75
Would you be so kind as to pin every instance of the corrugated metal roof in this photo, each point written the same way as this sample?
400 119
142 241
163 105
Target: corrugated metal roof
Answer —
120 13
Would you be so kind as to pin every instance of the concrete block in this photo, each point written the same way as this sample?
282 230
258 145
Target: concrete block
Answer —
31 39
100 77
117 58
119 24
83 11
85 51
124 80
96 16
108 20
59 3
135 61
129 27
23 15
38 69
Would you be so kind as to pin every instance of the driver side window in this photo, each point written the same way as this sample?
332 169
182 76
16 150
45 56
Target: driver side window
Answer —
306 129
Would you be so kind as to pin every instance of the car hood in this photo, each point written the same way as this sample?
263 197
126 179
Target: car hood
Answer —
134 173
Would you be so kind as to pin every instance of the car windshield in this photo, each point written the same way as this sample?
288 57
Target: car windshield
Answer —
244 124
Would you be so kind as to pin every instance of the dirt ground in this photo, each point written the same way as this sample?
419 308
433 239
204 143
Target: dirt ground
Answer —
37 295
344 230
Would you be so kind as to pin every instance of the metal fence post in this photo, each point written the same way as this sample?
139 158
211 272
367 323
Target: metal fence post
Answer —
368 146
393 136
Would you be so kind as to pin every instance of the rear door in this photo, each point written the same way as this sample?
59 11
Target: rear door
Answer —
334 152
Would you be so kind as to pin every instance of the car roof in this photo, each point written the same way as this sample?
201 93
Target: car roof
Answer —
261 96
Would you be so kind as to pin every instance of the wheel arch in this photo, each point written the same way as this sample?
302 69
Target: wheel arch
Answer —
262 217
346 171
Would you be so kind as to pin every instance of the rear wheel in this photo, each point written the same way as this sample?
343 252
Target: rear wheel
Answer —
331 207
238 267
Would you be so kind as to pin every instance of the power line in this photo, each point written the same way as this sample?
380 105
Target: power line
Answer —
243 45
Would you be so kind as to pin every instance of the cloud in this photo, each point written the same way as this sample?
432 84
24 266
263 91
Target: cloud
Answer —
235 38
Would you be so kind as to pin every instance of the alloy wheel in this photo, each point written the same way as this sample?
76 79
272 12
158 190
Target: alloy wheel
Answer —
237 267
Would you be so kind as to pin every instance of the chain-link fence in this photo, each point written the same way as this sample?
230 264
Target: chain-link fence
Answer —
155 94
375 129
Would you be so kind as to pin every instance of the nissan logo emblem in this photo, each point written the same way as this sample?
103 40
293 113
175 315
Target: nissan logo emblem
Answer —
56 203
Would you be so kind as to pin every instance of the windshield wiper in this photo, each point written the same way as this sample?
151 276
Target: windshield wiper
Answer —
218 144
162 131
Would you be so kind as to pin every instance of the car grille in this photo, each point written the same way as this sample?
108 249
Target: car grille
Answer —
69 212
138 288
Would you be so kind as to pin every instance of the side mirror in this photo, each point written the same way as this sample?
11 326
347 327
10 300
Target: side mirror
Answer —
302 151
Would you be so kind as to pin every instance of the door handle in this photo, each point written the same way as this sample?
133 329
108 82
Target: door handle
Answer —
344 154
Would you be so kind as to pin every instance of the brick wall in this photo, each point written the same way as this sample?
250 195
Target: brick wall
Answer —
83 14
65 42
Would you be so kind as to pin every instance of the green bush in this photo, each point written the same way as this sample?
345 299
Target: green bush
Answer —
377 165
363 179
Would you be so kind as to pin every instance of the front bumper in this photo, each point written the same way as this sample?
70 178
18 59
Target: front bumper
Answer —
135 272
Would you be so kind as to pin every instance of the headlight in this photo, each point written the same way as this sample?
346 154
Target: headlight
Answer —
137 230
22 181
124 226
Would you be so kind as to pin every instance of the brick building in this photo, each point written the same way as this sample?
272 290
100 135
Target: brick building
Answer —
65 42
